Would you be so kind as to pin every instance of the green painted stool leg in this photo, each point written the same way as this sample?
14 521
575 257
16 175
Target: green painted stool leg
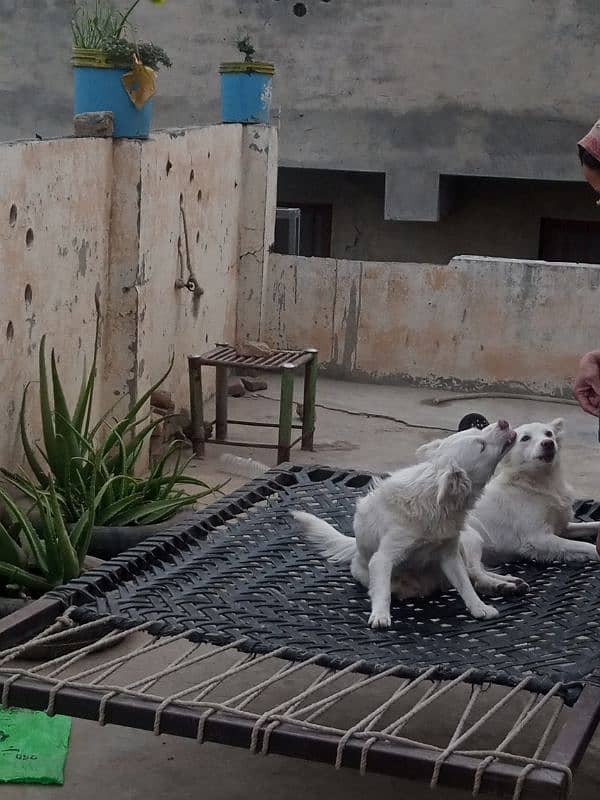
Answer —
196 406
285 415
310 398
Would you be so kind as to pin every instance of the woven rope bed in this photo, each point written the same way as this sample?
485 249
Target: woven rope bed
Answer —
231 629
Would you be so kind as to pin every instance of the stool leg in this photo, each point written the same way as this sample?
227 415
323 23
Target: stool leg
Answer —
310 398
196 406
221 403
285 415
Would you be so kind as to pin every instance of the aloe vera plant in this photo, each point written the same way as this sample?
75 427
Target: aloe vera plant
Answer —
37 558
76 453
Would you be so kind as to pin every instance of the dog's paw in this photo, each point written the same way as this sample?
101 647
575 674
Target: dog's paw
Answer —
517 587
484 612
380 619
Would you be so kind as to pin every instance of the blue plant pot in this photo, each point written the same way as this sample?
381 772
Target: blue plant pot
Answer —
246 90
101 89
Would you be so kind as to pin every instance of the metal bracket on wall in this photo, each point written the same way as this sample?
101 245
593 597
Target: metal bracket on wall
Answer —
191 283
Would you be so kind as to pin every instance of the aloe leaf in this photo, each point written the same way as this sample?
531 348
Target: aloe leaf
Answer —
34 464
28 531
28 580
65 548
129 421
46 412
55 569
10 551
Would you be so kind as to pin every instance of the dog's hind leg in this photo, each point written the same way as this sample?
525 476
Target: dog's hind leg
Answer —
360 570
455 570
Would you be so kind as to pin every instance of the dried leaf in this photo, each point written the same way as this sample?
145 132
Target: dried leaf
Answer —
140 83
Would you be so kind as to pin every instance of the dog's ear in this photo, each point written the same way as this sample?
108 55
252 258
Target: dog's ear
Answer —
454 488
427 450
558 426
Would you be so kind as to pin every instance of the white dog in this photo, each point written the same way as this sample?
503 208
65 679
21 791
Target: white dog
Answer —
526 510
407 529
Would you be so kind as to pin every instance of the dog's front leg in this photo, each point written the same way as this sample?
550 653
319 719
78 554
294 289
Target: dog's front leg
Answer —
380 589
455 571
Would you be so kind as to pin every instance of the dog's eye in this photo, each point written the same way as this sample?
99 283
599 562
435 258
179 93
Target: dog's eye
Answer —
525 438
548 434
482 444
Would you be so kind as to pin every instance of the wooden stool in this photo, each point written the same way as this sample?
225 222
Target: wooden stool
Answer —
284 362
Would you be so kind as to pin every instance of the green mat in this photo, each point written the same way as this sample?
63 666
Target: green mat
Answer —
33 746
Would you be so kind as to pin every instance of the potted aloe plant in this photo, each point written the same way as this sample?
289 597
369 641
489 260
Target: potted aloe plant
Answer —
112 71
246 87
77 452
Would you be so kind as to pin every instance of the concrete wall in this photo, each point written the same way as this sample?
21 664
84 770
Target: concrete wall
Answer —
474 323
55 202
489 217
85 217
410 89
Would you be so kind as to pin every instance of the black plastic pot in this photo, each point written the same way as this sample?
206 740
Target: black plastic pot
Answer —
108 542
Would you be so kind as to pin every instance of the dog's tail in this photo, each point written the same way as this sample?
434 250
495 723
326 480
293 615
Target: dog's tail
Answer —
330 543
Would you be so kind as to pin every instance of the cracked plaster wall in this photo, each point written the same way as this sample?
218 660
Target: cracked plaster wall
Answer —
472 324
122 221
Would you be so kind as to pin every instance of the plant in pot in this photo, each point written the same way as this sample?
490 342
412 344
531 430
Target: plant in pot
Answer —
107 453
111 70
246 87
35 558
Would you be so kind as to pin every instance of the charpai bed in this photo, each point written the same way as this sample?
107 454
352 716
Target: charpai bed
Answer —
231 629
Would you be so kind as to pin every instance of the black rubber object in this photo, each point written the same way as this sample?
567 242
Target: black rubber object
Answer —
473 421
242 570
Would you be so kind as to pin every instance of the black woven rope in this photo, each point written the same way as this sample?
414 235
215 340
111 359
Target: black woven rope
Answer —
241 571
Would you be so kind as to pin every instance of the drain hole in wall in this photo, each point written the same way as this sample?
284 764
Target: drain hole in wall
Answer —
169 166
299 9
199 195
192 176
12 215
29 237
10 331
197 236
28 294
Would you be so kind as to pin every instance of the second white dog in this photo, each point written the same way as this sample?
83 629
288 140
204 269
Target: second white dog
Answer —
526 510
407 529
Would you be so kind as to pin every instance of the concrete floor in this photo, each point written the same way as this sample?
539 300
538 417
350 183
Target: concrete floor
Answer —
131 765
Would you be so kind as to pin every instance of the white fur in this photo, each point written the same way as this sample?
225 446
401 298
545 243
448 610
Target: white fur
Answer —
526 511
407 528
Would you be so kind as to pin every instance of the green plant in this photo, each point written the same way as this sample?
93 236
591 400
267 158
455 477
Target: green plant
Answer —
121 51
101 26
37 558
77 454
246 48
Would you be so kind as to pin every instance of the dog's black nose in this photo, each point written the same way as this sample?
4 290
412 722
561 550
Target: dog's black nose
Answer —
548 444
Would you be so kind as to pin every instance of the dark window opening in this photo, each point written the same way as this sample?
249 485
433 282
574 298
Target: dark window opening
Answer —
314 229
570 240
